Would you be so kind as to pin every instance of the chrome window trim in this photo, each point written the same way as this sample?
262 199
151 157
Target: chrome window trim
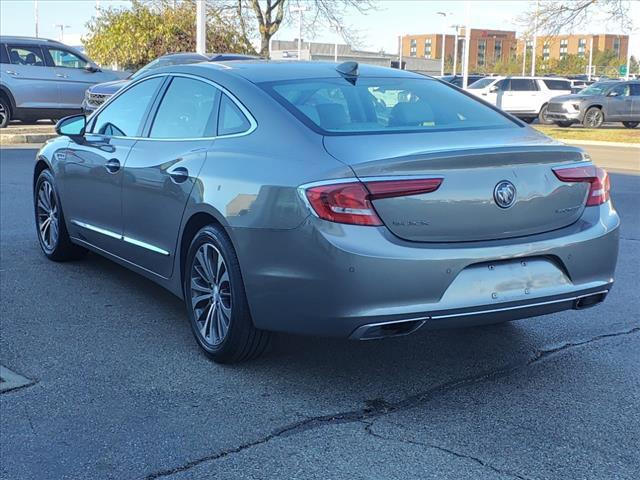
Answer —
253 124
117 236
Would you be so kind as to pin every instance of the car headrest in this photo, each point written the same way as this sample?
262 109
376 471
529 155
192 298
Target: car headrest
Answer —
410 114
332 115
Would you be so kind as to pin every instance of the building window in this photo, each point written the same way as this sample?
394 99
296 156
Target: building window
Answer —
413 47
427 48
616 46
582 45
497 50
564 46
545 51
482 47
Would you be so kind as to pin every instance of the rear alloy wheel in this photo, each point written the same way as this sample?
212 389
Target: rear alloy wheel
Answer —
5 112
216 300
52 231
594 118
564 124
542 116
631 124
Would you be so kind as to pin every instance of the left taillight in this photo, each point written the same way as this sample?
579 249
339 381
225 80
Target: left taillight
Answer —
351 202
597 177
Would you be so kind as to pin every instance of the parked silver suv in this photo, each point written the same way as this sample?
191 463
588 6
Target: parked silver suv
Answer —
42 79
607 101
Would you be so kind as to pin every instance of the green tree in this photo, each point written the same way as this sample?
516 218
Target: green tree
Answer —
134 36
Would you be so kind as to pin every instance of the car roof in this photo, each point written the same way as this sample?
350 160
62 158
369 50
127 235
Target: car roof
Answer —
28 40
257 71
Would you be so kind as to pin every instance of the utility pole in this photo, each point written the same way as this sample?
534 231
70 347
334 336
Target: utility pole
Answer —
467 44
201 27
444 17
35 15
299 10
535 38
590 58
626 77
455 49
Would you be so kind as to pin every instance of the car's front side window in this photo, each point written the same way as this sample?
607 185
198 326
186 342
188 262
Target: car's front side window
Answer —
124 115
188 110
523 85
619 91
66 59
27 55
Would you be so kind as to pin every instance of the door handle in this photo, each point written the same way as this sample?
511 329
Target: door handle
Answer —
61 75
12 72
112 165
179 175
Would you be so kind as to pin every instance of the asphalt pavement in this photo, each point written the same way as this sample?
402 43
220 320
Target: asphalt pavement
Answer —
117 387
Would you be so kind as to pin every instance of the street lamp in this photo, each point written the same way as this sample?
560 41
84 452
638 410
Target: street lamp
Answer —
201 27
299 10
455 48
61 26
444 16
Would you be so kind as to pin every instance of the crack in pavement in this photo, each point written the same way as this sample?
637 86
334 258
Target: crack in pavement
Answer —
479 461
379 407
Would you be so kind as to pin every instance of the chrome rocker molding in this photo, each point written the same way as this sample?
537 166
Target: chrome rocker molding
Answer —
117 236
395 328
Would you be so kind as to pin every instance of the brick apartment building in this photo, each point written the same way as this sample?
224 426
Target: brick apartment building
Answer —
560 46
487 46
490 46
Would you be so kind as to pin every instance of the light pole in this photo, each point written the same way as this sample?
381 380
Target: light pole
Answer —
299 10
455 49
201 27
535 35
400 53
626 77
35 15
444 17
524 55
61 26
590 58
467 45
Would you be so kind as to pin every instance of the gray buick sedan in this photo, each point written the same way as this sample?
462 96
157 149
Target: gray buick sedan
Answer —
326 199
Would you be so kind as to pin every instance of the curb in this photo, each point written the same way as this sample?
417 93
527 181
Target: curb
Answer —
598 143
22 138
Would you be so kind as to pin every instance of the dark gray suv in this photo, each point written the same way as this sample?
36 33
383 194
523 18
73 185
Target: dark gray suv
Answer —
608 101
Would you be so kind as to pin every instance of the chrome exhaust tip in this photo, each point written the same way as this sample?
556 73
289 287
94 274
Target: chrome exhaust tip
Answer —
373 331
589 301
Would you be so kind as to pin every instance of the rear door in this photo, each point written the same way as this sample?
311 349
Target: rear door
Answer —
522 96
162 169
91 181
619 103
33 83
635 99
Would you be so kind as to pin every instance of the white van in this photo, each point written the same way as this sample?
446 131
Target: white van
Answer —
524 97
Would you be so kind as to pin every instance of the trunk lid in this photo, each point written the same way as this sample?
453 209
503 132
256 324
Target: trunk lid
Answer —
472 165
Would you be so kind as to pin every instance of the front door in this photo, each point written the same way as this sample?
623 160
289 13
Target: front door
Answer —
162 170
93 171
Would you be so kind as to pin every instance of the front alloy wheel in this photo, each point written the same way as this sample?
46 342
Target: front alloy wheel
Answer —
47 213
594 118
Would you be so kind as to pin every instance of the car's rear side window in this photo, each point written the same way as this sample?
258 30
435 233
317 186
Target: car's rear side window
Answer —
231 120
557 84
28 55
188 110
383 105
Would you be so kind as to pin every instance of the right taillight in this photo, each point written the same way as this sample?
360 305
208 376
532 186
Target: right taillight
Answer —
597 178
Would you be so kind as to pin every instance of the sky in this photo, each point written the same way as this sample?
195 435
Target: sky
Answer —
376 30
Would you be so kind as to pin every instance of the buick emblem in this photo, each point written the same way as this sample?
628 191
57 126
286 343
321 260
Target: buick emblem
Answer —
504 194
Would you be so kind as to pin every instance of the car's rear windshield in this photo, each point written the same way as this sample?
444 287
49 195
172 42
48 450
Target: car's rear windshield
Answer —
383 105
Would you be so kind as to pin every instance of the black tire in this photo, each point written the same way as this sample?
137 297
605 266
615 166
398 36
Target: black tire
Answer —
593 118
216 300
542 116
528 119
54 238
564 124
631 124
5 112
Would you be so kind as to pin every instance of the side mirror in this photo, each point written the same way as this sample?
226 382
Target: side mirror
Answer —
612 94
73 126
90 67
493 89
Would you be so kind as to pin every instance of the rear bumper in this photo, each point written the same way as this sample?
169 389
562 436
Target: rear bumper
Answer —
340 280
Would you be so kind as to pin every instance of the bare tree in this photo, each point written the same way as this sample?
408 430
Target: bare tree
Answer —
555 16
271 14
